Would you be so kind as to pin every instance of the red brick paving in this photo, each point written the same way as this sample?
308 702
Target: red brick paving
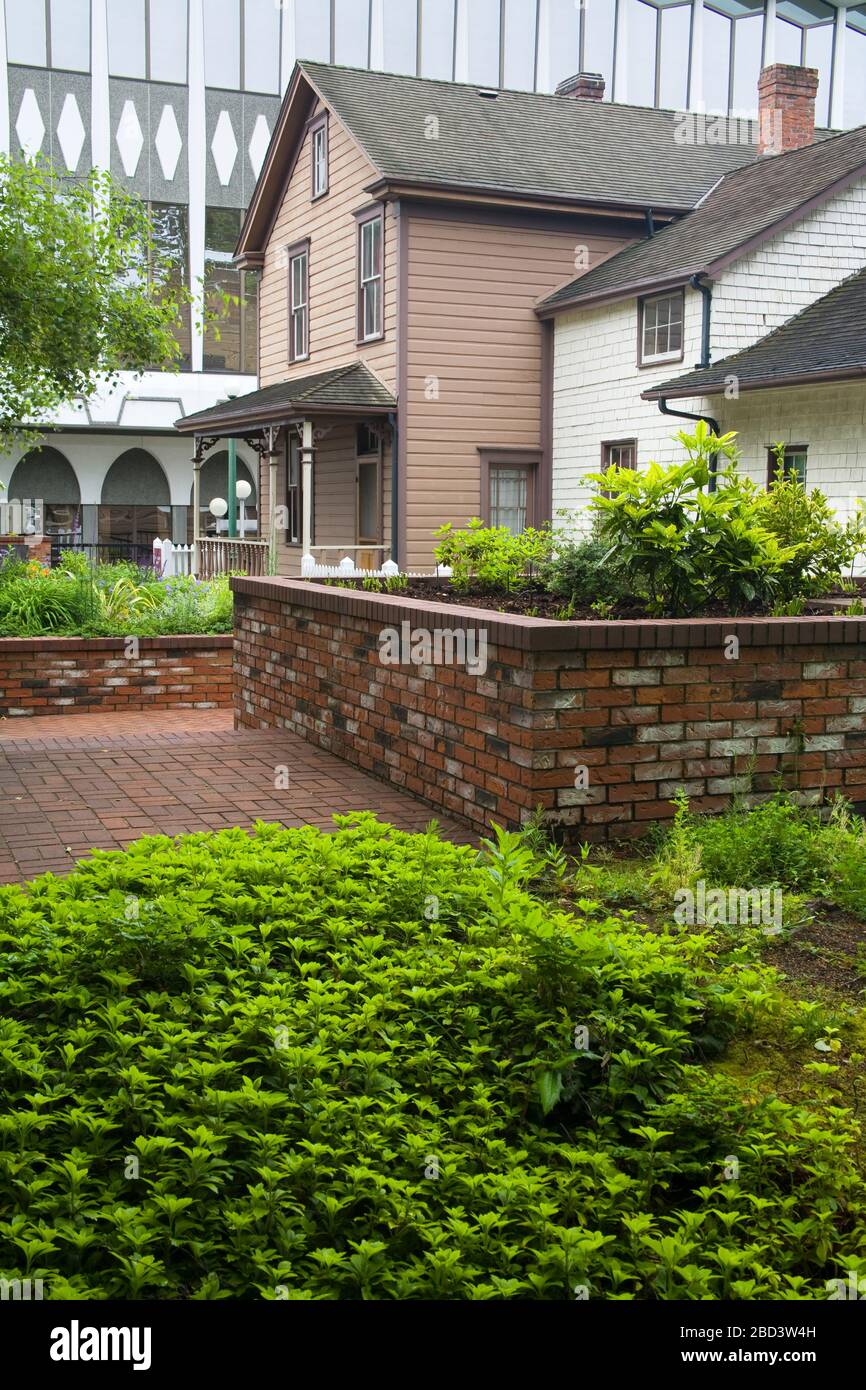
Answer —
101 781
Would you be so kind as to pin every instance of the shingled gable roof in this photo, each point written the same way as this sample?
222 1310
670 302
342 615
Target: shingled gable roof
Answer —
746 207
532 145
824 342
340 390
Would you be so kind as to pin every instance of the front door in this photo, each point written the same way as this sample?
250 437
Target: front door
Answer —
368 497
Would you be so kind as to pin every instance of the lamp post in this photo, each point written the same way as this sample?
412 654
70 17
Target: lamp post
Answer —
243 490
218 508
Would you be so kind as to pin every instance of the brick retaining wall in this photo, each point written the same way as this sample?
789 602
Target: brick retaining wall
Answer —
645 708
71 675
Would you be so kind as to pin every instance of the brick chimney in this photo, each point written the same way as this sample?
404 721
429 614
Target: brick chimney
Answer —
786 108
584 86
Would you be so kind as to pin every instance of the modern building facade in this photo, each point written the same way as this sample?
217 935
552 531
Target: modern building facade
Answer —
179 98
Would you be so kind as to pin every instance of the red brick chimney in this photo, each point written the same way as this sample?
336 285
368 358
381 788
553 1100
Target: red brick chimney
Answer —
786 108
585 86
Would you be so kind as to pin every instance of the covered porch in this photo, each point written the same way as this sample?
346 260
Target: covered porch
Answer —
326 489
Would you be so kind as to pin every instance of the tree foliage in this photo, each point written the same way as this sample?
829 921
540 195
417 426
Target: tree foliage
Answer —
85 292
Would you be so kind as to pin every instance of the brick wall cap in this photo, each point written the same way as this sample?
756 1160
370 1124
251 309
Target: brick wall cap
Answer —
191 641
548 634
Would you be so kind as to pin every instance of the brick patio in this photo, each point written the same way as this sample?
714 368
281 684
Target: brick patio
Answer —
94 781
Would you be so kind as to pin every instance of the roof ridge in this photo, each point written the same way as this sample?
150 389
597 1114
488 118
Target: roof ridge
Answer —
515 91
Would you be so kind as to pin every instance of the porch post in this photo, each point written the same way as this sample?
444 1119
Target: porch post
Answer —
196 502
272 502
307 455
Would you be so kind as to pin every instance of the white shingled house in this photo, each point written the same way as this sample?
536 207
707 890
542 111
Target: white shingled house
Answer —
749 311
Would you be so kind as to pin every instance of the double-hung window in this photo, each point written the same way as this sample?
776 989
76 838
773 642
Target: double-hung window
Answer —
299 303
370 278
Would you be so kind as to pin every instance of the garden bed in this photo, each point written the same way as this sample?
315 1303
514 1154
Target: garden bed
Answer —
532 600
76 675
599 723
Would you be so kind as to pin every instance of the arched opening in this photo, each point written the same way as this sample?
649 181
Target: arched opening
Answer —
214 483
46 475
136 505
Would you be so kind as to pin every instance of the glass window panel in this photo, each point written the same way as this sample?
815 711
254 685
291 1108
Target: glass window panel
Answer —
261 46
748 40
641 52
222 336
508 495
170 229
313 30
674 66
717 60
70 34
368 501
126 50
250 322
563 41
168 40
222 44
519 67
598 31
25 32
819 54
788 37
484 43
855 87
351 32
437 36
400 35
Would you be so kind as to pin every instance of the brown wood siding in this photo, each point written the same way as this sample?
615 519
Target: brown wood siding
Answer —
472 329
330 224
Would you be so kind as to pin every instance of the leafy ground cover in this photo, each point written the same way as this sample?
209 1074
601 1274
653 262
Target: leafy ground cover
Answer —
378 1065
78 599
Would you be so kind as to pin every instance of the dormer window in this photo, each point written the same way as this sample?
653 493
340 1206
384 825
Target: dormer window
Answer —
661 328
319 156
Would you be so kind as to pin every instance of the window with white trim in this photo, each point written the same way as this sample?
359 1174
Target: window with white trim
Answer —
661 335
370 278
299 307
319 150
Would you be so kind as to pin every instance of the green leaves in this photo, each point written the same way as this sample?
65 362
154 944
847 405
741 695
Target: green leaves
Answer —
683 547
287 1082
490 556
84 290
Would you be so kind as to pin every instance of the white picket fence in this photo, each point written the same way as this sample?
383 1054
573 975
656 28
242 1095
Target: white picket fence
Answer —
170 559
347 569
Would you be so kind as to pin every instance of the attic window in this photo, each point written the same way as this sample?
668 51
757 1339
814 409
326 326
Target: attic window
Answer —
489 92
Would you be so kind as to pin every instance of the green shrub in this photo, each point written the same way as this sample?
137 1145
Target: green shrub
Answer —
109 600
777 842
804 521
582 570
491 557
681 546
294 1065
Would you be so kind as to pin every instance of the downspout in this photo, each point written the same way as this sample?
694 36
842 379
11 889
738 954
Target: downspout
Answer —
708 420
704 290
395 485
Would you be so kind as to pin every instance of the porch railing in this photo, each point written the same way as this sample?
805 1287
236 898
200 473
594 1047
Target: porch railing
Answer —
225 556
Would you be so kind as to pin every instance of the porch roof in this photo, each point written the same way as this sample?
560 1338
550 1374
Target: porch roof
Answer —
824 342
348 390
